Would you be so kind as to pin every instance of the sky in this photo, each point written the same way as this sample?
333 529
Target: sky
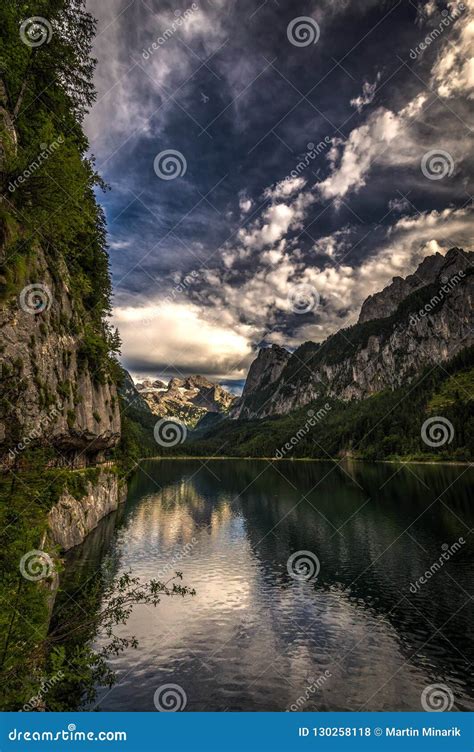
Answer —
273 163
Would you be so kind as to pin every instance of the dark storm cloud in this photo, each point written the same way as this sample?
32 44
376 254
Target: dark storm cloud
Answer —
227 90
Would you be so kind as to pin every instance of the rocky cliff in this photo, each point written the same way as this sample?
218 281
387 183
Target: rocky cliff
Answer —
132 396
71 519
55 393
58 389
424 319
187 399
262 379
386 302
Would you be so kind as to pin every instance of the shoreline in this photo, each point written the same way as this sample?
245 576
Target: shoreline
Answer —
401 461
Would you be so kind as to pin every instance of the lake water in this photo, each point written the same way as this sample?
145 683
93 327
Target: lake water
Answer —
362 635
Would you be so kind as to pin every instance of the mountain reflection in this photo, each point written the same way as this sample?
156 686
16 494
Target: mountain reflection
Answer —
253 636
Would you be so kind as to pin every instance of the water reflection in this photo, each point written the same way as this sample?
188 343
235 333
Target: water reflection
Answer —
254 638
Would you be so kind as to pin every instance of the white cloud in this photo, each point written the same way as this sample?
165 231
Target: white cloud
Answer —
182 336
453 73
364 146
277 219
344 288
262 297
333 245
130 82
285 188
367 96
245 203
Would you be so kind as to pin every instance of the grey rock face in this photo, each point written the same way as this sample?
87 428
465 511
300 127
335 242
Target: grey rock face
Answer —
49 396
386 302
131 394
71 520
423 320
262 376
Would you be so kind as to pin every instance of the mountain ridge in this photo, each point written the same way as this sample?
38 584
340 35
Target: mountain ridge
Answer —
187 399
428 319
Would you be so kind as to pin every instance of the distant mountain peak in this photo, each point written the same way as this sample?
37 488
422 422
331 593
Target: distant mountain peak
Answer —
188 398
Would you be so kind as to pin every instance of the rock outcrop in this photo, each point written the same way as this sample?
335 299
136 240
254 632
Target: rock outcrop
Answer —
262 377
423 320
131 395
53 394
386 302
70 520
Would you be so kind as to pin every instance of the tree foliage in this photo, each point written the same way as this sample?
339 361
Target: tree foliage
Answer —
49 182
385 426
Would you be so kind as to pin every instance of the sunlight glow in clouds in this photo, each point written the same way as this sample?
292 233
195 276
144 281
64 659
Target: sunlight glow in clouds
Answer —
357 215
